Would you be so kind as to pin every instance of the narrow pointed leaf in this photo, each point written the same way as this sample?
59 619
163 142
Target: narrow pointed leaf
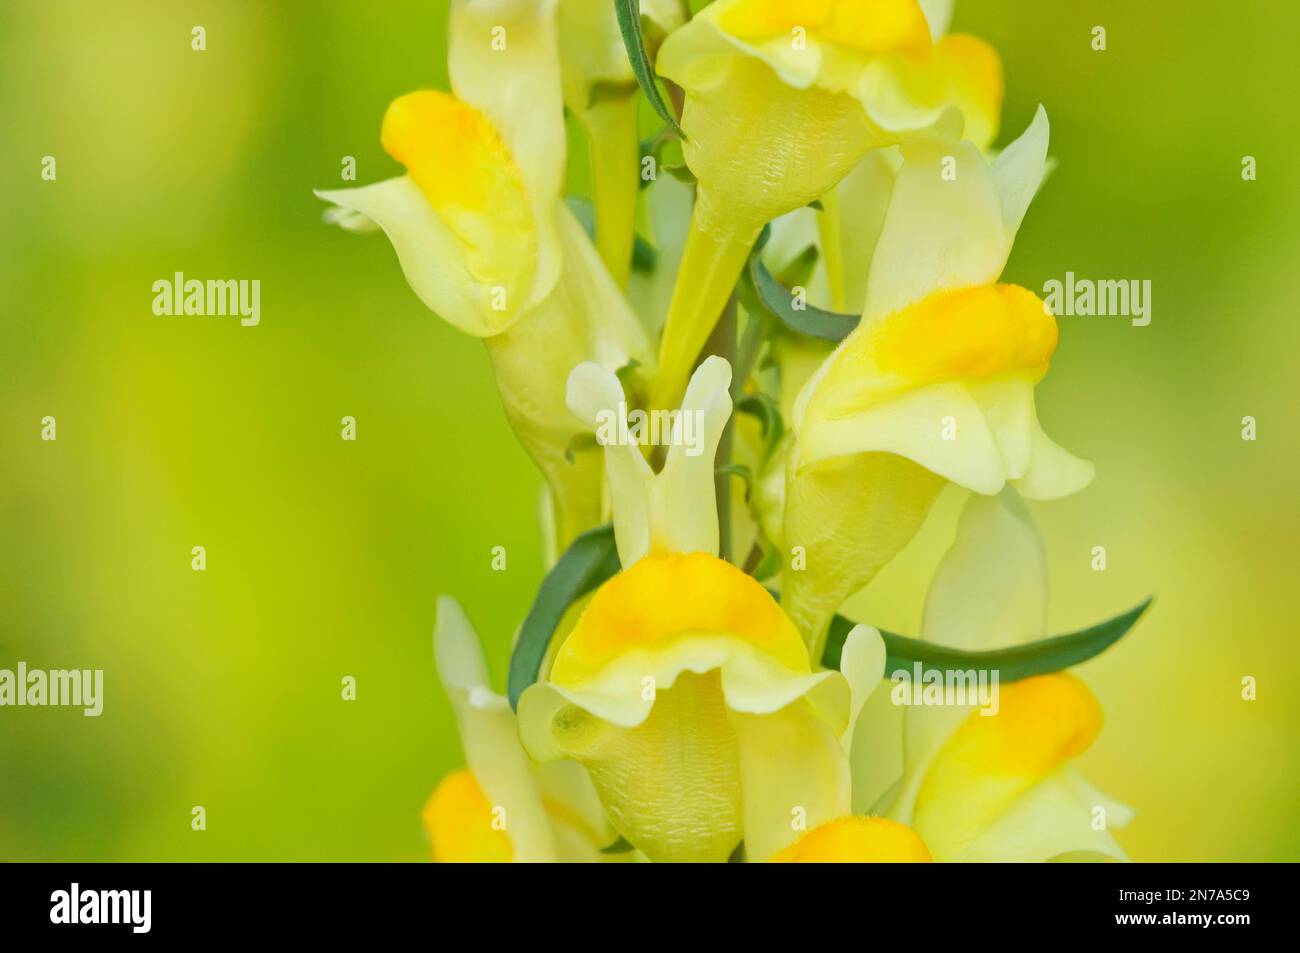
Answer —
1012 664
809 320
629 24
620 846
739 470
765 409
589 561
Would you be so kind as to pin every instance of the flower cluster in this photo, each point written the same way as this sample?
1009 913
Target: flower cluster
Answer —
685 687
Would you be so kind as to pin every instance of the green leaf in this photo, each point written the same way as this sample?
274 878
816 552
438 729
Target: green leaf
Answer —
770 563
1012 664
763 407
815 322
620 846
666 150
629 24
627 377
587 563
740 470
799 270
645 257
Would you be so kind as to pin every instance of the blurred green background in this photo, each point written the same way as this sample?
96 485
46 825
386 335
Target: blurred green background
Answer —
325 557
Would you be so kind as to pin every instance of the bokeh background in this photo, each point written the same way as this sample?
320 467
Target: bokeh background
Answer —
325 557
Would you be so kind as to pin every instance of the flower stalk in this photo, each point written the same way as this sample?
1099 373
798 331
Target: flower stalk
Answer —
715 253
615 152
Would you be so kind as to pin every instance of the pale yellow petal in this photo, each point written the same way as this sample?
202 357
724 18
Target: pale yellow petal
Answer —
673 511
794 776
844 519
990 590
670 784
578 821
489 736
1053 471
503 58
939 427
862 662
940 233
432 257
1020 168
1061 815
876 756
864 196
926 729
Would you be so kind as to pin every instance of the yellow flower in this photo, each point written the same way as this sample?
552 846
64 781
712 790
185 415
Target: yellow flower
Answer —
601 91
857 840
502 807
459 821
1000 787
782 100
936 383
683 688
486 241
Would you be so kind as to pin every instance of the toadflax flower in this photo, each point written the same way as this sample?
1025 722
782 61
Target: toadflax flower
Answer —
1000 787
683 688
781 101
502 807
486 241
857 840
935 384
601 90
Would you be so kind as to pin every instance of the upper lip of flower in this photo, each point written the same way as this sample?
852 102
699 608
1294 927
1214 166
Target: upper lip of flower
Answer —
664 599
966 334
838 38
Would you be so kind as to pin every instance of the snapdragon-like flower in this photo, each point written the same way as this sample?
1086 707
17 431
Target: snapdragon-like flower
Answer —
857 840
502 807
600 89
935 384
781 101
683 688
486 241
1000 787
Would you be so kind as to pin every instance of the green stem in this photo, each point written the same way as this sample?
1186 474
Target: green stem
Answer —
722 341
615 153
715 253
757 325
828 230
